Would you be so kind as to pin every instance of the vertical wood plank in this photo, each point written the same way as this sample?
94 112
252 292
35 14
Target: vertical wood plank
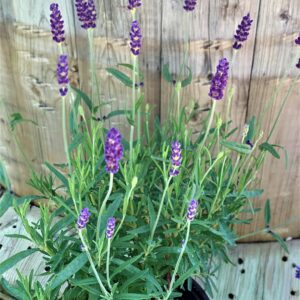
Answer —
275 55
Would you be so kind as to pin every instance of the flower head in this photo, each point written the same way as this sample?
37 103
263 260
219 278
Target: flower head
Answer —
192 210
62 74
86 12
113 150
189 5
176 158
298 64
219 81
135 38
297 274
57 23
110 227
83 218
242 32
297 40
133 4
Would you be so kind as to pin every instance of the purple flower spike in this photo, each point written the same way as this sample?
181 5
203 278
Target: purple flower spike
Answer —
189 5
110 228
133 4
83 218
176 158
219 81
297 40
113 150
298 64
62 74
86 12
135 38
192 210
57 23
297 274
242 32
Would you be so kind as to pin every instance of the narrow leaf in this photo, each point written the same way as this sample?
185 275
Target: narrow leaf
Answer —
120 76
267 213
58 174
84 97
187 80
166 73
280 240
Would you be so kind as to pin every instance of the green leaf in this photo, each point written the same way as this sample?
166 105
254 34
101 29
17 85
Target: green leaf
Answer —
186 275
240 148
12 290
6 202
117 113
4 181
84 97
13 260
18 236
78 139
250 133
16 118
267 213
270 148
187 80
132 279
151 212
123 265
132 296
59 175
120 76
166 73
280 240
139 102
72 268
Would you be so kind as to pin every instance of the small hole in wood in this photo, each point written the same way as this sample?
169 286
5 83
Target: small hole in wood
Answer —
0 246
293 293
47 268
230 296
243 271
14 226
28 247
240 261
284 258
294 265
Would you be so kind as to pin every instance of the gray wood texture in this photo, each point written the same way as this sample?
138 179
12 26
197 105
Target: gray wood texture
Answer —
28 85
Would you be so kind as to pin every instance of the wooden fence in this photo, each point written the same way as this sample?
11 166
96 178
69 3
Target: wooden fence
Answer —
28 84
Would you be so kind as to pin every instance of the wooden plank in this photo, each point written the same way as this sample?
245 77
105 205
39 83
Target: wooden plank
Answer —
275 55
209 30
263 275
10 223
28 85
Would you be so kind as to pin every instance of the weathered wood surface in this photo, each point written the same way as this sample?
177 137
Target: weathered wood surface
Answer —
28 84
265 277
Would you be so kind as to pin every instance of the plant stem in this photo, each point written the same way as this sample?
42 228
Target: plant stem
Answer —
107 263
111 181
158 214
64 126
92 264
133 112
212 112
169 292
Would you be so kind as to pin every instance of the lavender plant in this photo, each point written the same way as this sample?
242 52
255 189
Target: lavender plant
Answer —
135 219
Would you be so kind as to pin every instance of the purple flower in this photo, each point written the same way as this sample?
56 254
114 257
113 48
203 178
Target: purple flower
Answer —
135 38
83 218
192 210
62 74
242 32
57 23
297 40
219 81
110 227
189 5
297 274
133 4
298 64
86 12
113 150
176 158
248 142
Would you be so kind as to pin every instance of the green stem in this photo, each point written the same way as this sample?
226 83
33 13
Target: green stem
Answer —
169 292
111 181
107 263
158 214
64 126
92 264
212 112
282 106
